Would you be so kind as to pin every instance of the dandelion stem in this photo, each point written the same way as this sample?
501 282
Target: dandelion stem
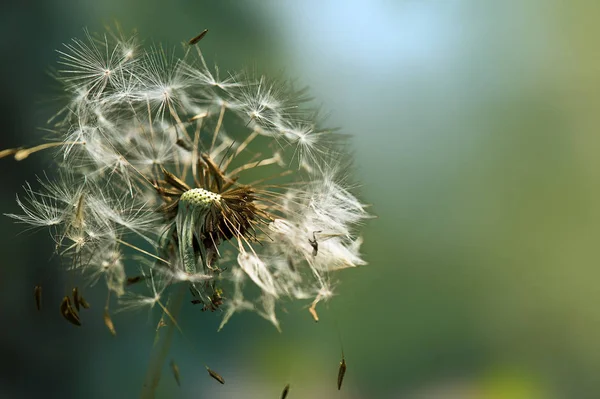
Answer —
161 347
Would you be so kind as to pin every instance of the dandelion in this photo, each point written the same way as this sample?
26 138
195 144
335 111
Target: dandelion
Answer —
170 171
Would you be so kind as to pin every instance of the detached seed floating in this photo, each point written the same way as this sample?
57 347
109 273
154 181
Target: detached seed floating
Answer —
196 39
314 243
175 369
76 298
109 323
285 392
341 372
215 375
83 302
37 293
133 280
68 312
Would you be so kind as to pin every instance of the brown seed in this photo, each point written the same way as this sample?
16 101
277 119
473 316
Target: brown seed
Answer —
285 392
184 144
215 375
83 302
313 312
68 312
109 323
314 244
196 39
161 323
341 372
37 293
76 298
133 280
175 369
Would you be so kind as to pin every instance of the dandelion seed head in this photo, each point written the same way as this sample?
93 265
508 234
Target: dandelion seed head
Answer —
222 182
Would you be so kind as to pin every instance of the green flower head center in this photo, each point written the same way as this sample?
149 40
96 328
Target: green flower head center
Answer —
200 198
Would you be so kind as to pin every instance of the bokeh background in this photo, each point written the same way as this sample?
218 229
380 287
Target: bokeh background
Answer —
475 136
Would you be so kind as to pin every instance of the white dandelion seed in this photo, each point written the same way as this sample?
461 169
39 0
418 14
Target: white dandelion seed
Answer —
94 64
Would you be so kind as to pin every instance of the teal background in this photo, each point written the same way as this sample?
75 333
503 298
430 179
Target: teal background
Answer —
474 127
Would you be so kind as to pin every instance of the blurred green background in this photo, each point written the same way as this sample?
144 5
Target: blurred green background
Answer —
474 131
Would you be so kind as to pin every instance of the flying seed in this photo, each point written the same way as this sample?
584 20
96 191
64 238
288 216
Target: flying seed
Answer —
109 323
314 244
76 298
83 302
215 375
68 312
161 323
341 372
313 311
285 392
175 369
37 292
196 39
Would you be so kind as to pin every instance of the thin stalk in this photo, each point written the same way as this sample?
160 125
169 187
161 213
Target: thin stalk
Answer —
162 346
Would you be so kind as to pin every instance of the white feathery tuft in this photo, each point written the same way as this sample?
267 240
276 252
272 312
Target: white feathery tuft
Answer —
181 173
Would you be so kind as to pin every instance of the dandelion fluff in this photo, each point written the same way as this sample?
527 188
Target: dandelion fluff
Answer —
225 183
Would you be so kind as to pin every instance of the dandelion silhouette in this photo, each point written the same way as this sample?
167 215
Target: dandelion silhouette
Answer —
216 183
